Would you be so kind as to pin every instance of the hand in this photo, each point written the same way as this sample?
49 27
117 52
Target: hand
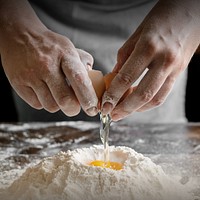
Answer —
46 70
163 46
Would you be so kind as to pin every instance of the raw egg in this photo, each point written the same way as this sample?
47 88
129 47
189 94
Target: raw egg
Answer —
111 165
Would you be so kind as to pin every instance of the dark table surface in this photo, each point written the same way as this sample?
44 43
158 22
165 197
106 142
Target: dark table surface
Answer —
176 147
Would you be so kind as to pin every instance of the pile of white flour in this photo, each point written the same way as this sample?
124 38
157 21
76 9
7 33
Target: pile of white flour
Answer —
67 176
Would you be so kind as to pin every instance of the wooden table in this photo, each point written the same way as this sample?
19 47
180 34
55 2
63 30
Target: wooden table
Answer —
176 147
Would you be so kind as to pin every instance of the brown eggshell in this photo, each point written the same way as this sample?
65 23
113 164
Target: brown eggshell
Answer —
98 83
102 83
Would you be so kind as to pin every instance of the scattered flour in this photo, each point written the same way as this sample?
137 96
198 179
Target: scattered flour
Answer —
66 176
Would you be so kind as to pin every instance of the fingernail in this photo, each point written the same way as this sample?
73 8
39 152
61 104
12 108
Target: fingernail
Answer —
107 108
92 111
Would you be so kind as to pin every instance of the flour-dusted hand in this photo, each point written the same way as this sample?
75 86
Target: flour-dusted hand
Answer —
162 45
43 67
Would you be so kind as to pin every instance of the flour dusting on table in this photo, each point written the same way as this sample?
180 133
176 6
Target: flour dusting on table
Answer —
67 176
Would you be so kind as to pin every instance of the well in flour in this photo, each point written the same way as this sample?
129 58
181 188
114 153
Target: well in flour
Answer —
67 176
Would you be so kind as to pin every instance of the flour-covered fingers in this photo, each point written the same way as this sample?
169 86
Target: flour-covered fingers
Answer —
161 95
28 95
144 93
81 84
63 94
45 97
126 50
128 74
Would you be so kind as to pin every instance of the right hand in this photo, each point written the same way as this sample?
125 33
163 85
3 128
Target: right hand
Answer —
161 47
47 71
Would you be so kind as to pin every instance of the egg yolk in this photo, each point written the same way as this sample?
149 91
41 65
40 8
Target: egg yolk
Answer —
111 165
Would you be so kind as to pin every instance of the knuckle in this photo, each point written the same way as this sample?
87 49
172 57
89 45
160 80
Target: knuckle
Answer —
150 46
146 96
45 64
168 85
157 101
181 66
170 81
67 104
170 57
79 77
110 97
124 79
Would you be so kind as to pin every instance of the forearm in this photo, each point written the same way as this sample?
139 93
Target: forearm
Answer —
191 9
195 5
16 18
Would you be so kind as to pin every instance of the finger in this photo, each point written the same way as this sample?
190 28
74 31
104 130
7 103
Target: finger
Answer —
45 97
129 73
78 78
144 93
125 51
161 95
86 59
63 94
29 96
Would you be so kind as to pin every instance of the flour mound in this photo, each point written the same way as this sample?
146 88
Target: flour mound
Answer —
67 176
